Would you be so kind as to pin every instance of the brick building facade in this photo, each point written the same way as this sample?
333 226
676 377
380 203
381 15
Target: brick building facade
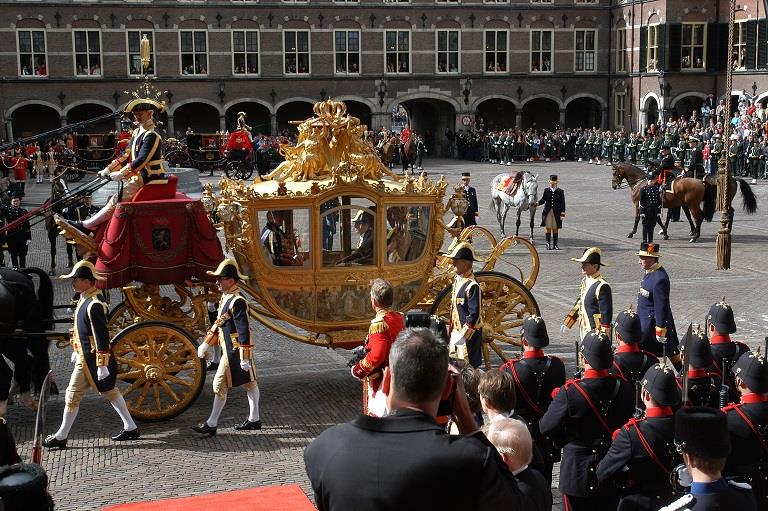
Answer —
561 62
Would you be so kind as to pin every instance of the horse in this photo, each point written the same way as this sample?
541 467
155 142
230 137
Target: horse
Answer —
687 191
387 151
58 190
23 307
408 154
524 199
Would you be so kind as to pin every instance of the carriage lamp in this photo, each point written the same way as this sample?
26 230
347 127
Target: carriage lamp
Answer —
467 89
209 200
382 91
459 202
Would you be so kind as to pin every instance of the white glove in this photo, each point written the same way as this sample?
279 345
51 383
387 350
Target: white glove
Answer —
457 339
661 339
245 365
116 176
28 242
562 329
103 173
102 372
73 357
201 350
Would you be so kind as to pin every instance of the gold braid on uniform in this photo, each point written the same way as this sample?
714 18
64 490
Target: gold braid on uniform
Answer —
246 352
102 358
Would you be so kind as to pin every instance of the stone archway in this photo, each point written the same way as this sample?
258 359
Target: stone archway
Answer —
497 113
32 119
583 112
257 116
360 110
201 117
687 104
297 110
87 111
430 117
541 113
651 111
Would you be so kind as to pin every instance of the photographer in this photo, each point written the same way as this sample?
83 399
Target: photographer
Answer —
406 460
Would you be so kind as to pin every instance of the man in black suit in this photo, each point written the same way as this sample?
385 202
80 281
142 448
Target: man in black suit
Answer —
470 217
513 440
696 161
406 460
553 213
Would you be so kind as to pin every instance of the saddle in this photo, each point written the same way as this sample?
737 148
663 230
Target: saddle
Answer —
510 184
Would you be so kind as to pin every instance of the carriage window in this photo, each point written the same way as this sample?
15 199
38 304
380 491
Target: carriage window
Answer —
407 232
285 236
348 230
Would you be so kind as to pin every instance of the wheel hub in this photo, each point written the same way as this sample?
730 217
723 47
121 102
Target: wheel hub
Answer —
154 373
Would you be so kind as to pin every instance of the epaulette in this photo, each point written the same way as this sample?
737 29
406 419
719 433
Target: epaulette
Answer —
680 504
378 326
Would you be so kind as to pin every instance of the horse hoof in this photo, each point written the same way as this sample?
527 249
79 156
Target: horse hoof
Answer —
666 237
692 240
630 234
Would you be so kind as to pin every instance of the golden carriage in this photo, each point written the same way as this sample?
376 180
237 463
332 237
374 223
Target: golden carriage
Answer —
294 235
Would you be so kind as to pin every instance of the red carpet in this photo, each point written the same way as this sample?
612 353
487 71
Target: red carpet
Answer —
266 498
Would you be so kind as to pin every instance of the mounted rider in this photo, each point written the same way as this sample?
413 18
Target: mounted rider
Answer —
665 166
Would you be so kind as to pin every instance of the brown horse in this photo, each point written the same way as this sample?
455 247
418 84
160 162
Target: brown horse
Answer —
408 154
687 191
387 151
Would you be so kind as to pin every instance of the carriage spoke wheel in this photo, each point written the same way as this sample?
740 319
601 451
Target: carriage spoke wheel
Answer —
158 371
120 317
506 304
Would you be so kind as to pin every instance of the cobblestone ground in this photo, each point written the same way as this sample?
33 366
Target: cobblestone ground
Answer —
305 389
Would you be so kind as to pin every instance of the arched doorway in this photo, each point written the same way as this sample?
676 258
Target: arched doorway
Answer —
201 117
89 111
497 114
541 113
293 111
30 120
360 110
583 113
651 111
430 118
256 116
686 105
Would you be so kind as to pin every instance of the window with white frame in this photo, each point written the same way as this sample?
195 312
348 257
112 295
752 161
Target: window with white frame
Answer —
295 1
653 48
33 59
346 1
619 109
621 50
194 52
495 1
541 1
739 46
541 51
347 48
583 2
397 47
694 46
584 58
245 52
496 51
134 51
296 52
447 1
397 1
87 44
447 51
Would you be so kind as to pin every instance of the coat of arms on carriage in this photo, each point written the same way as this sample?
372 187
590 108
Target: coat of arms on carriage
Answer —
161 234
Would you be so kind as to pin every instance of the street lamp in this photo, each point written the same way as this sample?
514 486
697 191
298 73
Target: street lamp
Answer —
382 91
221 93
661 94
467 89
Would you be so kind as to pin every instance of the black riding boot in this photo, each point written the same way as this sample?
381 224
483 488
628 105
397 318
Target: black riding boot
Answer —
549 239
554 241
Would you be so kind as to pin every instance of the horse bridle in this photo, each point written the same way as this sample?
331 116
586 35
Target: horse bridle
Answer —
621 179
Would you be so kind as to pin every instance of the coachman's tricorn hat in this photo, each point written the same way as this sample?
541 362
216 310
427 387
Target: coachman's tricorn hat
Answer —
535 331
649 250
462 250
139 104
628 326
753 370
661 384
721 317
591 255
702 431
83 270
228 268
596 348
363 217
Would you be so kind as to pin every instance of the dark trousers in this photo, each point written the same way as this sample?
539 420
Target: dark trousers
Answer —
599 502
674 214
649 223
18 256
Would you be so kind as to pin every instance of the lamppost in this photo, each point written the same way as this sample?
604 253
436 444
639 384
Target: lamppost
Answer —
222 94
467 91
382 91
660 120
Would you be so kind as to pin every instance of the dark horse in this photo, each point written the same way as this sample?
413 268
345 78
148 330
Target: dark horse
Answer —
387 151
408 154
688 192
58 190
23 309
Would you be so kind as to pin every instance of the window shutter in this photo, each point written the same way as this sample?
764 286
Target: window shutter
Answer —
643 49
750 38
675 40
723 52
713 60
762 43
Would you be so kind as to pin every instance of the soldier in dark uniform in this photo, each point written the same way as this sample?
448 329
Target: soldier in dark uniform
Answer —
79 213
702 434
582 417
703 385
629 361
696 159
725 351
536 376
642 454
747 424
470 217
594 307
553 200
665 174
466 336
363 253
233 334
95 365
653 307
20 237
650 208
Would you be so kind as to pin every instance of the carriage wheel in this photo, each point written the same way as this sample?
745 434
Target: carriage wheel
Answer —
506 303
178 158
158 371
238 170
120 317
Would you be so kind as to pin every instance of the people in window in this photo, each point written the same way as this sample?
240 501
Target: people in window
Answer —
363 253
281 249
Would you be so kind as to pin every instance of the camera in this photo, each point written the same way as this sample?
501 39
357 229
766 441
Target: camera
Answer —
420 319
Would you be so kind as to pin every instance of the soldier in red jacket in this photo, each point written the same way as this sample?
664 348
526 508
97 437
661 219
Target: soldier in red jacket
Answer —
381 334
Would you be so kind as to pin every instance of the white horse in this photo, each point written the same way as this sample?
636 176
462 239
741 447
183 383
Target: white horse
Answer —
524 199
